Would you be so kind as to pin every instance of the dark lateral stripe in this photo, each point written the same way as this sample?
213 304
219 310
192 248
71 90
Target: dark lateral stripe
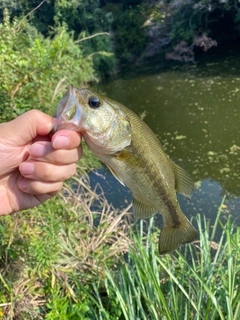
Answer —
157 185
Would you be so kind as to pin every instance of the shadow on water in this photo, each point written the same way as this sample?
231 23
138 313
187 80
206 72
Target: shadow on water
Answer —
195 112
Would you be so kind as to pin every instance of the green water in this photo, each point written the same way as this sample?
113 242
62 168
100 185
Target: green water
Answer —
195 112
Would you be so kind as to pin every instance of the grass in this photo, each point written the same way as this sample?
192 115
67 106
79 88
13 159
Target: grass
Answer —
200 282
76 257
44 251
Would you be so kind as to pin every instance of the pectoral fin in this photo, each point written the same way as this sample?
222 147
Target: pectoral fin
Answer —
115 175
141 210
183 182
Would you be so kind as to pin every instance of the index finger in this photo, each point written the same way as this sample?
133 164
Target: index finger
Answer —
28 126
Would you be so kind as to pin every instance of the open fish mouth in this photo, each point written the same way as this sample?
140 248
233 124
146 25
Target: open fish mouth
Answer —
69 111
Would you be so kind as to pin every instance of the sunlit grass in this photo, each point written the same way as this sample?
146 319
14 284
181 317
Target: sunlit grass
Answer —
47 251
200 282
76 257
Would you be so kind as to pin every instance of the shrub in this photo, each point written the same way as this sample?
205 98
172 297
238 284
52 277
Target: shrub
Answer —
35 70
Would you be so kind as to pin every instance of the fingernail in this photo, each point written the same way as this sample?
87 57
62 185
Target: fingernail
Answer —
26 168
60 142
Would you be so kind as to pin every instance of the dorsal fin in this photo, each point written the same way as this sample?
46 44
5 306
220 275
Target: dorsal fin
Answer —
141 210
183 182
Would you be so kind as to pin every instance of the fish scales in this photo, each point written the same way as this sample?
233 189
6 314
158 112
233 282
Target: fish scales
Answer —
135 156
140 157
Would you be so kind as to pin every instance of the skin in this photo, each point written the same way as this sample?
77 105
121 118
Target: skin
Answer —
33 163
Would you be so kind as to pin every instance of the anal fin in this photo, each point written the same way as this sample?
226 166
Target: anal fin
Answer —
141 210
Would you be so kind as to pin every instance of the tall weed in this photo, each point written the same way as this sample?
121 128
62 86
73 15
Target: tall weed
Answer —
75 257
201 281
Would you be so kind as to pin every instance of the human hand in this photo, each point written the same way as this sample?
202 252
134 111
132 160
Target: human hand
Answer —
33 165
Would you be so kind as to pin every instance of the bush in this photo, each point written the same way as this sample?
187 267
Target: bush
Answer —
129 34
35 70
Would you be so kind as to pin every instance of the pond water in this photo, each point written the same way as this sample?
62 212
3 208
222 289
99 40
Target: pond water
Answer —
195 113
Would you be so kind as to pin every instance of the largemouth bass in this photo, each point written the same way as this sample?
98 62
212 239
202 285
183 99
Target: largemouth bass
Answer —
128 147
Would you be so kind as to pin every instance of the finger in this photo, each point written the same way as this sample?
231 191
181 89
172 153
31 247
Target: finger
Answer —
66 139
39 187
43 151
44 197
30 124
41 139
46 172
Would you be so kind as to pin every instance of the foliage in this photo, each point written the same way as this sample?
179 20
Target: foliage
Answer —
79 18
85 18
200 282
51 255
129 34
196 17
34 69
138 29
77 15
186 25
73 257
65 260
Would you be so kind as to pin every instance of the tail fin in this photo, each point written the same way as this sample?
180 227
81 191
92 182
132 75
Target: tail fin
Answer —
172 237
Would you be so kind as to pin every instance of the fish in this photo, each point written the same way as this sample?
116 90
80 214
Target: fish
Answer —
135 157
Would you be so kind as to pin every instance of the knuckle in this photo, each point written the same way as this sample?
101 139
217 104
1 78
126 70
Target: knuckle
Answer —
70 171
61 157
33 112
46 173
56 187
40 188
67 157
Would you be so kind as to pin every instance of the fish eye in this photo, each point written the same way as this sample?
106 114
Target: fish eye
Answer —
94 102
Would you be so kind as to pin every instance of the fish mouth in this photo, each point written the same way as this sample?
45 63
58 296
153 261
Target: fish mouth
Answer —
62 125
69 111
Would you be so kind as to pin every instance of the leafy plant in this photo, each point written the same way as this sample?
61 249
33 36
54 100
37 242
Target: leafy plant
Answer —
74 258
200 282
50 255
32 67
129 34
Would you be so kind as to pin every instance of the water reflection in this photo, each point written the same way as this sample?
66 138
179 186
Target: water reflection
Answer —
195 113
206 199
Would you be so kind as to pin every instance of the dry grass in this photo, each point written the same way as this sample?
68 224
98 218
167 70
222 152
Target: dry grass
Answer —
105 236
73 236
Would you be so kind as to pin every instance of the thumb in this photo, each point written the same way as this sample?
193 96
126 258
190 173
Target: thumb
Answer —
29 125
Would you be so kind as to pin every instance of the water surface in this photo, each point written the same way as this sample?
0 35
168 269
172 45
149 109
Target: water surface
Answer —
195 113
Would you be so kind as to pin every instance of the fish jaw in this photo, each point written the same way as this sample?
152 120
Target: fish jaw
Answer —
69 112
105 129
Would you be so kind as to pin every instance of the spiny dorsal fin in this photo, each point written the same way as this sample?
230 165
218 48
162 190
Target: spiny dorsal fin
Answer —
141 210
115 175
183 182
